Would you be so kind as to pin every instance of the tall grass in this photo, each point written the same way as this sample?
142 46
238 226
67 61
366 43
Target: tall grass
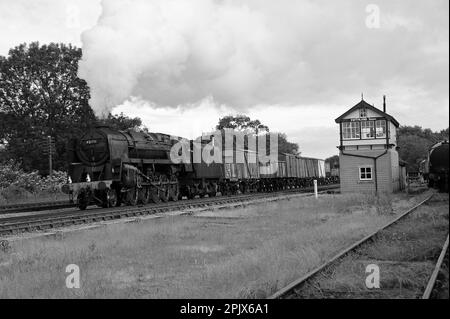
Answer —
405 253
251 253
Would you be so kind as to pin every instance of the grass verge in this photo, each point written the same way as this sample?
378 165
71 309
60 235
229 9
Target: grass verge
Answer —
247 252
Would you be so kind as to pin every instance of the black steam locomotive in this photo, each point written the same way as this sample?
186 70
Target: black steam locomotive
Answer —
436 166
109 168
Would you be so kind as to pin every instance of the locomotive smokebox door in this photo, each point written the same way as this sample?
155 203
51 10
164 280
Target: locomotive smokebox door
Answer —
93 148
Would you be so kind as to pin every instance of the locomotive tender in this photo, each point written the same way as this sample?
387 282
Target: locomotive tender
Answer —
437 166
109 168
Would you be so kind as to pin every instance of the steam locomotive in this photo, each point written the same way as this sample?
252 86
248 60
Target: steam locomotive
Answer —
436 166
109 168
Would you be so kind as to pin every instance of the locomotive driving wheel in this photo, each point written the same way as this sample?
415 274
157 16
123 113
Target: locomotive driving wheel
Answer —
174 192
142 195
132 196
152 196
164 193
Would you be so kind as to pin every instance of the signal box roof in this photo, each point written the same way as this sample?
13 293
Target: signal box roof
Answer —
364 104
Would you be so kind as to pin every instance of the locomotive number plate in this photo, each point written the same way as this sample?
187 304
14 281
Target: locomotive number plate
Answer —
90 142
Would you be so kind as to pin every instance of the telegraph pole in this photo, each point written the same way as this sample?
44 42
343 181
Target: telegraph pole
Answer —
47 144
50 168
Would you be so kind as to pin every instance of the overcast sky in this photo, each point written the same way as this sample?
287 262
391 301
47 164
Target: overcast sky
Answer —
295 65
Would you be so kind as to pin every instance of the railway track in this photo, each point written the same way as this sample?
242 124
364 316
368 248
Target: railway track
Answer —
41 206
431 286
34 207
45 221
343 275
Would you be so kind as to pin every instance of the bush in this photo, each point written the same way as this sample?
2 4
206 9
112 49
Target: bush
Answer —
16 184
53 183
12 175
8 173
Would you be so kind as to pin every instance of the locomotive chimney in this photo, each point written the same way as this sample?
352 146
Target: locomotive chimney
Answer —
384 103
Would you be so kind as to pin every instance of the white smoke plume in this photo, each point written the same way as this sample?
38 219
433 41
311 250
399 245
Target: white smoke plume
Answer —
172 52
240 52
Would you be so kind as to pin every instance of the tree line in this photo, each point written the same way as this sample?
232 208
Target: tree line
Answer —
242 122
41 96
414 143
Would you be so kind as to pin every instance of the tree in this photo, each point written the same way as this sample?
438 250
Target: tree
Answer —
284 146
414 143
122 122
241 122
41 95
443 134
244 123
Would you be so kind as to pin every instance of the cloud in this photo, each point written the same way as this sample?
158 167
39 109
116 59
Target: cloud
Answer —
293 64
45 21
243 53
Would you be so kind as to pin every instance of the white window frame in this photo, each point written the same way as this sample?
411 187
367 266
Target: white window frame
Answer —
354 127
368 127
378 125
365 167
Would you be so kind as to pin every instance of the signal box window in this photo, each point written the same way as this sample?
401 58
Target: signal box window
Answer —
381 128
363 112
350 130
365 173
368 129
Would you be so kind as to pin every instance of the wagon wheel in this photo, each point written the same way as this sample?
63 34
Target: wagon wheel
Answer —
164 194
132 196
191 192
212 190
174 192
242 188
224 190
229 189
205 189
111 198
208 189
